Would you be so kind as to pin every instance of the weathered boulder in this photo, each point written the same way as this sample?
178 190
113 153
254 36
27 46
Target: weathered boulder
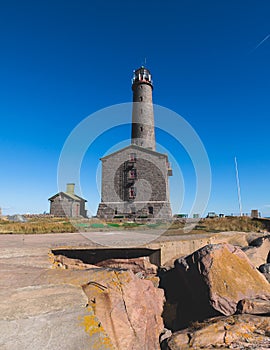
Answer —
63 262
166 333
129 309
214 279
258 250
265 270
255 306
236 332
141 266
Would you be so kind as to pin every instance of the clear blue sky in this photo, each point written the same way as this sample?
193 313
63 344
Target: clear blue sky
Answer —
64 60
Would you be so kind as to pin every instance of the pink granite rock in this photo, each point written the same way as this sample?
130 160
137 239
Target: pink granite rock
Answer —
141 266
258 251
234 332
255 306
216 277
129 309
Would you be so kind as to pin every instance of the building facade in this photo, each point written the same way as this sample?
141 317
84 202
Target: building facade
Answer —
68 204
135 178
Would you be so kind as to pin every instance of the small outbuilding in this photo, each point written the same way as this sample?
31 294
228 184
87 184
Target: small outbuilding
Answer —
68 203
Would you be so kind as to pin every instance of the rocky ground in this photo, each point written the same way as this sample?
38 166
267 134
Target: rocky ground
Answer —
217 296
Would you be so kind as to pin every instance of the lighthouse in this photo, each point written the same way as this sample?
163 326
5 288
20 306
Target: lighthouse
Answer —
143 126
135 178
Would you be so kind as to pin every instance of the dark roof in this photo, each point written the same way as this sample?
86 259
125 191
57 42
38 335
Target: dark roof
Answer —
142 69
69 195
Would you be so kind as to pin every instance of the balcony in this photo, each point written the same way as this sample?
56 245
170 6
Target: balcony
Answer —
142 75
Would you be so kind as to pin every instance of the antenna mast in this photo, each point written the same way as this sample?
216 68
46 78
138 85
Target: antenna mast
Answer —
238 187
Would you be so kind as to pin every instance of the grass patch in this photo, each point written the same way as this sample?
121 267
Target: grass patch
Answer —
97 225
112 224
245 224
215 225
84 225
131 224
59 225
153 225
37 227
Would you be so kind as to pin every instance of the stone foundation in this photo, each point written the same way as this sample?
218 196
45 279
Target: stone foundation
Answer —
151 210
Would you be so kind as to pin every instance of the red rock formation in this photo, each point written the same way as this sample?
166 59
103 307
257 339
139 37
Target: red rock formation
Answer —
129 309
215 278
140 266
62 262
255 306
235 332
258 251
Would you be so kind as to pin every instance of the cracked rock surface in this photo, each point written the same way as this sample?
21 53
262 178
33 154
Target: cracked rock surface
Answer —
65 304
128 308
216 278
234 332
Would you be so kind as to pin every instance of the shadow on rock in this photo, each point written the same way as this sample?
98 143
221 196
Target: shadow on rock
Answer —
209 283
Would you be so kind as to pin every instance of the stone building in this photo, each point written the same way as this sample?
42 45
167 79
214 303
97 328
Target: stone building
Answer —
68 203
135 178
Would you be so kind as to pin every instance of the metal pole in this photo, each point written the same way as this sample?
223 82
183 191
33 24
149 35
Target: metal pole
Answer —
238 187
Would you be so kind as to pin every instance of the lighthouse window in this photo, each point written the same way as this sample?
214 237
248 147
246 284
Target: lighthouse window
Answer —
133 174
141 87
132 192
132 157
141 98
141 128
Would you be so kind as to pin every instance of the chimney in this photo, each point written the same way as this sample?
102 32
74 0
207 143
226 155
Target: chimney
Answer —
70 188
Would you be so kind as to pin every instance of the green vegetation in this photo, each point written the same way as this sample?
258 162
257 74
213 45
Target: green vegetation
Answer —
36 225
131 224
97 225
111 224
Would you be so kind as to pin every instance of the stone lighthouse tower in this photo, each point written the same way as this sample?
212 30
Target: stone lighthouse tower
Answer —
143 127
135 178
